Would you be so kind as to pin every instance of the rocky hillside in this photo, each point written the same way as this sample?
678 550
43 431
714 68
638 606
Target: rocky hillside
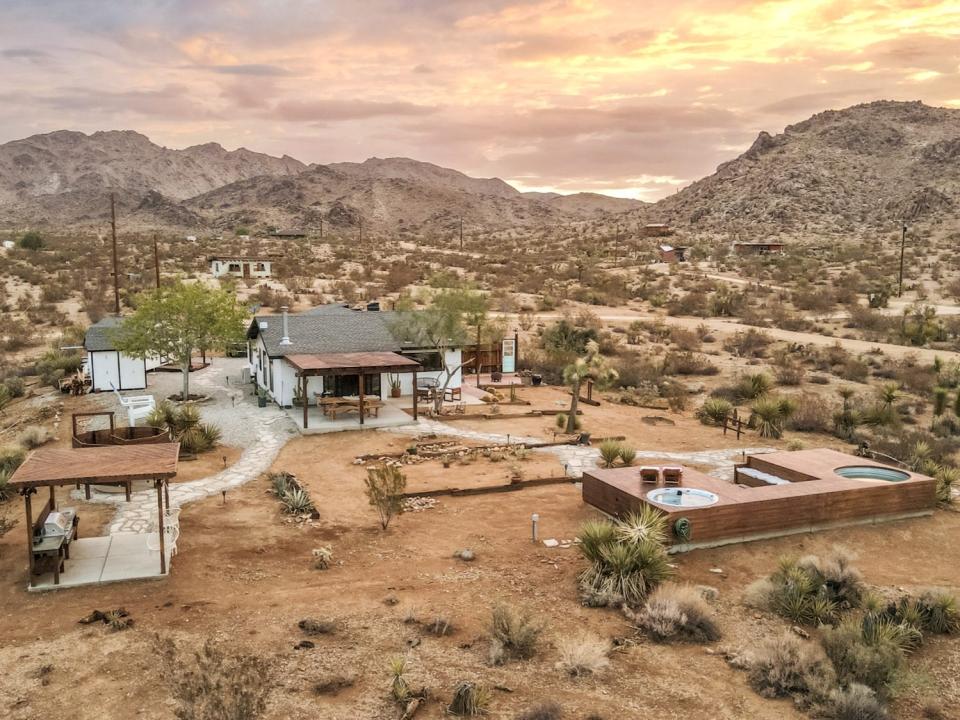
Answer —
840 172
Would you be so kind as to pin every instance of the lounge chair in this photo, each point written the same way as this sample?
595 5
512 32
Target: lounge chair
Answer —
650 474
672 475
138 406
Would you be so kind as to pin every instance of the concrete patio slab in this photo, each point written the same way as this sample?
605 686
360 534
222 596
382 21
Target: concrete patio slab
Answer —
86 548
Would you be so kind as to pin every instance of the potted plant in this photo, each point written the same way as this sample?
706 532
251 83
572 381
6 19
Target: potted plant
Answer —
394 385
496 376
261 397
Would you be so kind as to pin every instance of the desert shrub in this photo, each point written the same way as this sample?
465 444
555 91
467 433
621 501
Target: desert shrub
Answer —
6 492
714 411
870 652
786 666
854 370
935 611
584 654
34 436
561 422
813 414
855 702
281 481
213 684
769 414
15 386
399 688
439 626
678 612
513 634
11 457
385 485
811 590
627 558
750 343
312 626
609 452
948 479
469 700
547 711
688 363
296 501
627 455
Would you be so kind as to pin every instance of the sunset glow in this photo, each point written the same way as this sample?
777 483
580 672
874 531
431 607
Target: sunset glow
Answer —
632 99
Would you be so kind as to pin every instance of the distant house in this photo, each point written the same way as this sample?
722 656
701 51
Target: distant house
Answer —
347 345
9 244
672 253
240 267
288 233
656 230
758 248
108 367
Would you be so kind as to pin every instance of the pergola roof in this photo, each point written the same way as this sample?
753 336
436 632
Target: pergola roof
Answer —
98 465
352 363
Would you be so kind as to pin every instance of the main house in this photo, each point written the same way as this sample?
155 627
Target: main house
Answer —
108 367
242 267
327 350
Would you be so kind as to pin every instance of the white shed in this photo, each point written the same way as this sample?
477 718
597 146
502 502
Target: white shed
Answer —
107 365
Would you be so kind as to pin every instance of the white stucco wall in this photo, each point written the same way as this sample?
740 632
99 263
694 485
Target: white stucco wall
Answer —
125 372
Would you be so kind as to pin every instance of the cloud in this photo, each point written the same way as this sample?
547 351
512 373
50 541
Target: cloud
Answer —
817 101
255 69
338 110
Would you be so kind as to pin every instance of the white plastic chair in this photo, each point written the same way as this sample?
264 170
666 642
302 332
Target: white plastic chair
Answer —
138 406
171 532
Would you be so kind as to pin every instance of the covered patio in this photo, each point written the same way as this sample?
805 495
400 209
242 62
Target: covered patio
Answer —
330 411
56 555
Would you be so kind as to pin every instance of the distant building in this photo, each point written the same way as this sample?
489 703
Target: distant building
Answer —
672 253
108 367
9 244
758 248
289 233
240 267
657 230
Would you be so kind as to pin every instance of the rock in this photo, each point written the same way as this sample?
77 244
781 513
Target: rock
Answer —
551 542
797 630
304 645
717 571
465 554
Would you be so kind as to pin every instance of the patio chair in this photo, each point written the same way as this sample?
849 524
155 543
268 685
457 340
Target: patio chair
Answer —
650 474
138 406
672 475
171 532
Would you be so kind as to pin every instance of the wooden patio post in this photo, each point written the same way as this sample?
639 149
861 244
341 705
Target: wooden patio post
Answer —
160 529
166 493
27 492
414 394
303 379
362 378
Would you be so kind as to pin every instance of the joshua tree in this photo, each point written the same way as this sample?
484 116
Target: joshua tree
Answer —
592 366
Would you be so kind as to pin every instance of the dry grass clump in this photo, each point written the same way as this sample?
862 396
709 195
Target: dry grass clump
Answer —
678 612
439 626
312 626
215 684
547 711
786 666
34 436
513 635
469 700
584 654
855 702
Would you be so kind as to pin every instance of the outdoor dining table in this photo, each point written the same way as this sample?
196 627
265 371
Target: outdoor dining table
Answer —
332 406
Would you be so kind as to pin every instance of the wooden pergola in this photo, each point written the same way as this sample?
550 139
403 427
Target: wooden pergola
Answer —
360 364
109 465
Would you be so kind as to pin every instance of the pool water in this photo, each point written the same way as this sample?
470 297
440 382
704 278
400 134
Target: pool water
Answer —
682 497
869 472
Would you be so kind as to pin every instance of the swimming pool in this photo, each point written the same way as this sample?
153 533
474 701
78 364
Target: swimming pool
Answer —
871 472
682 497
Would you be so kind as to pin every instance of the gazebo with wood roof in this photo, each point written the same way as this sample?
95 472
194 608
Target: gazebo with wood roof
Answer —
109 465
360 364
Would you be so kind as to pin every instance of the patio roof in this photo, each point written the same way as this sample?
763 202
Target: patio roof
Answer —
352 363
98 465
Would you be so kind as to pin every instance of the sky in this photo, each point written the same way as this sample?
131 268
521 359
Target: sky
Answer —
629 98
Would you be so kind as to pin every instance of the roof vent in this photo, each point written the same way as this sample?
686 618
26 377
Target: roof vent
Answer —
285 340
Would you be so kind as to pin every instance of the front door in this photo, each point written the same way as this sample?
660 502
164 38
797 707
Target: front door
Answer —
509 360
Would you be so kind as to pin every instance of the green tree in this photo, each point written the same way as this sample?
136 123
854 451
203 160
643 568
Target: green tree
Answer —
31 240
592 366
177 320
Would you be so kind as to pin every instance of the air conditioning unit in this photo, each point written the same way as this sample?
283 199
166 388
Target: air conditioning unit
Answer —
245 376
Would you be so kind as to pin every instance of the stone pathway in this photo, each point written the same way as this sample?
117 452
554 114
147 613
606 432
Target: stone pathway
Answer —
262 431
577 458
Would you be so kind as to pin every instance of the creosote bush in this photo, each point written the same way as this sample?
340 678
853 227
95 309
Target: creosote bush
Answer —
547 711
385 485
786 666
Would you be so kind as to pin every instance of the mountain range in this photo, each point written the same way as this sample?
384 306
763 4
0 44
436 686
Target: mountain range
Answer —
838 172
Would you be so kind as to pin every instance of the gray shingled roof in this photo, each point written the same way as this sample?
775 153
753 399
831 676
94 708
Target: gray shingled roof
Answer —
330 332
330 309
97 338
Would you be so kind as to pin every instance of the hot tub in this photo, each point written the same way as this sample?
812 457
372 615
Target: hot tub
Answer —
682 497
872 472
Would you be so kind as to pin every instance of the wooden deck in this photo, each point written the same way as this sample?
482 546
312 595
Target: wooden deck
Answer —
814 498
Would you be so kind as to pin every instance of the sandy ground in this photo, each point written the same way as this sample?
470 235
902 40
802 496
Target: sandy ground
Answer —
244 577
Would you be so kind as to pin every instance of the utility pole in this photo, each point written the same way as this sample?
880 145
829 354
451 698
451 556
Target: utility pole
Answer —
361 231
903 241
116 273
321 227
616 246
156 259
461 233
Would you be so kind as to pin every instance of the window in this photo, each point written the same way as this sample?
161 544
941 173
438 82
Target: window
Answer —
261 267
233 267
429 359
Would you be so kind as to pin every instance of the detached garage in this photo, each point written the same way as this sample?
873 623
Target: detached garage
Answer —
107 365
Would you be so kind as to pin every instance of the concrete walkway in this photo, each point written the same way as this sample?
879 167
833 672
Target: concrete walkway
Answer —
262 431
577 458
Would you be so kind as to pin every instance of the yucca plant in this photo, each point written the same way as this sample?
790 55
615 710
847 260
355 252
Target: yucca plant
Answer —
627 455
941 612
297 502
594 536
715 410
281 482
609 452
921 455
880 631
754 386
399 688
647 523
888 393
767 417
6 491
